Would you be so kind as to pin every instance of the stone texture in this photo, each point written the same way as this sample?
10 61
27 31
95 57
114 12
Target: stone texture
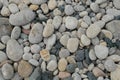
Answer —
13 8
14 50
85 40
68 10
52 4
16 32
45 55
52 65
62 64
38 2
3 56
64 39
116 3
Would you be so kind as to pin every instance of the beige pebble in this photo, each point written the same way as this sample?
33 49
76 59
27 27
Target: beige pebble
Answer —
34 7
45 55
44 8
62 64
63 74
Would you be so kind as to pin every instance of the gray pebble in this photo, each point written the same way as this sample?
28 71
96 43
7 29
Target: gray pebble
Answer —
3 56
36 56
5 39
38 2
16 32
94 7
34 62
27 56
26 49
13 8
57 20
69 10
71 68
64 53
35 48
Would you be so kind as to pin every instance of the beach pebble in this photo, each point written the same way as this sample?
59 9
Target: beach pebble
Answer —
64 39
52 4
27 56
5 11
64 53
68 10
14 50
116 3
101 51
72 44
94 7
16 32
57 20
44 8
5 39
85 40
52 65
63 75
62 64
38 2
3 56
34 62
45 55
13 8
71 22
35 48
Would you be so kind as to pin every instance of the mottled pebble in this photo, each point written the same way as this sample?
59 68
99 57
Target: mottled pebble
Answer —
62 64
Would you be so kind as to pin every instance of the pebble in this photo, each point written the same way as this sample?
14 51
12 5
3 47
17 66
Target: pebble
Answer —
24 68
62 64
35 48
57 20
115 74
45 55
113 12
85 40
35 35
64 39
68 10
91 76
93 31
81 31
34 62
14 50
16 76
26 49
70 68
76 76
72 44
44 8
116 3
13 8
84 24
97 72
22 18
16 32
38 2
100 23
71 22
2 46
27 56
114 57
100 78
107 18
79 7
5 39
52 65
48 30
107 33
50 42
101 51
110 65
3 56
36 56
52 4
95 41
5 11
80 65
92 55
80 55
71 59
64 53
63 75
34 7
94 7
7 71
43 66
100 1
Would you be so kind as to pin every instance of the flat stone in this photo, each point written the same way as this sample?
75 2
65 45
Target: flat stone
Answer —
16 33
68 10
62 64
107 33
35 48
14 50
80 32
71 22
72 44
57 20
34 7
34 62
93 31
85 40
92 54
64 53
5 11
27 56
63 75
70 68
13 8
94 7
7 71
35 35
80 55
44 8
113 12
101 51
45 55
24 68
110 65
114 57
5 39
107 18
52 65
52 4
3 56
64 39
21 18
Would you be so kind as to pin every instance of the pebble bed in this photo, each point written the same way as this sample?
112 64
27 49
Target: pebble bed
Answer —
59 39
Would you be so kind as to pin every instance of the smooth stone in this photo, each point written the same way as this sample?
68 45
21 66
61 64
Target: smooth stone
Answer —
43 66
50 42
16 77
85 40
64 39
34 62
21 18
57 20
35 35
80 55
71 59
79 7
72 44
87 19
45 55
35 48
116 3
97 72
14 50
94 7
101 51
2 46
24 68
35 74
62 64
70 68
13 8
26 49
52 4
80 32
34 7
71 22
76 76
100 78
38 2
91 76
115 74
63 75
16 32
36 56
116 29
114 57
44 8
5 39
113 12
3 56
69 10
107 18
80 65
7 71
5 11
52 65
48 30
27 56
110 65
64 53
5 27
92 54
100 1
107 33
95 41
100 23
93 31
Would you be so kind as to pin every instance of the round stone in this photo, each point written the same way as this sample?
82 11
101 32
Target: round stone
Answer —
92 55
85 40
101 51
116 3
71 22
13 8
16 32
45 55
52 4
57 20
68 10
27 56
110 65
64 53
35 48
94 7
64 39
71 68
3 56
80 55
52 65
5 39
62 64
34 62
